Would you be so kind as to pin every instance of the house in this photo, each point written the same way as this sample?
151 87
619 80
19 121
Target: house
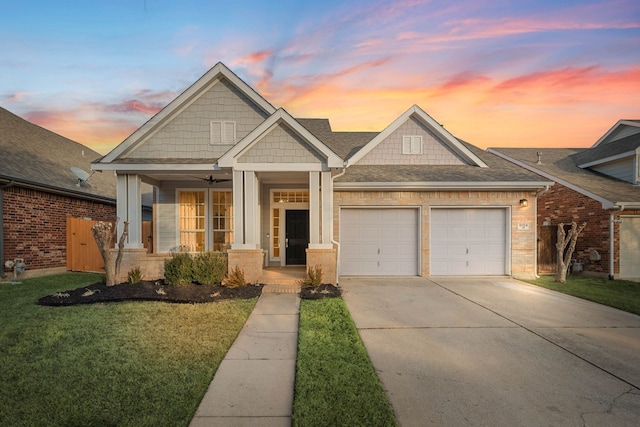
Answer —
39 191
232 172
599 186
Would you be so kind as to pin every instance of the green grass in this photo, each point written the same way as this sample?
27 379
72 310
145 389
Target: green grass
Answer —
335 383
621 294
124 364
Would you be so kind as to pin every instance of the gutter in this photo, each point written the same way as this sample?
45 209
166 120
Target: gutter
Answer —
344 170
2 188
612 223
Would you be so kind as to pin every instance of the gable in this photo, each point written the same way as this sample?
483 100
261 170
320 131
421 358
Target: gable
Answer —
280 145
392 150
222 102
623 169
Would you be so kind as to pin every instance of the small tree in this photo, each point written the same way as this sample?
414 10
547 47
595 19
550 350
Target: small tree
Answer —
564 254
105 233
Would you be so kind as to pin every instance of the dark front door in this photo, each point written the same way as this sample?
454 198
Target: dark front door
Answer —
297 239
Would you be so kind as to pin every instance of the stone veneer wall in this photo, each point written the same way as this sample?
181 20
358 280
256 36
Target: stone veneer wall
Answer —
327 259
250 261
523 242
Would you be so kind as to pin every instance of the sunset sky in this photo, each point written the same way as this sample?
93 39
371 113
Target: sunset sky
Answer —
495 73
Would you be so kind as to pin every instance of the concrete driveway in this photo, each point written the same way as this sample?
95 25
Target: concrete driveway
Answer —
468 351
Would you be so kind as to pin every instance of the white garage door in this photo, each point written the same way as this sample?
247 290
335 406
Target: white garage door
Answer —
468 242
379 242
630 247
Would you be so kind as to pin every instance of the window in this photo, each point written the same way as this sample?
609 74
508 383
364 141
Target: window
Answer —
223 132
412 144
192 220
222 217
291 196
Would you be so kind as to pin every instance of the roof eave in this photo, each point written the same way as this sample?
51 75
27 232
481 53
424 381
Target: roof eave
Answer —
438 186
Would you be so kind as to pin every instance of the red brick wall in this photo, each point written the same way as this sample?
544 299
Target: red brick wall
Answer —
35 225
564 205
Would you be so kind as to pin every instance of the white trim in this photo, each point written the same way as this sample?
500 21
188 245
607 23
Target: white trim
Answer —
192 93
280 167
435 185
153 167
229 159
283 207
608 159
618 124
426 120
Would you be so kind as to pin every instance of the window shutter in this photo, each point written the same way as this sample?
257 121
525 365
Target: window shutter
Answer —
406 145
416 145
216 132
229 136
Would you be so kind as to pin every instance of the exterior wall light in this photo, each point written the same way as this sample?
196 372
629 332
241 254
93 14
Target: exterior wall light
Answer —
524 203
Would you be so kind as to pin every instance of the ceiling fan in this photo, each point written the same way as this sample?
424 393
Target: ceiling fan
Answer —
211 180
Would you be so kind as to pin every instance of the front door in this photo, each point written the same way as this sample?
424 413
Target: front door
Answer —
297 237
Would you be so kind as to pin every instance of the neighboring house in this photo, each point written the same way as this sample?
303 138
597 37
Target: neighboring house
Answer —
38 191
232 172
599 186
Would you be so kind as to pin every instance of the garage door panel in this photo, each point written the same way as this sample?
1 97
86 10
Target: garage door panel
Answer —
386 241
630 248
474 242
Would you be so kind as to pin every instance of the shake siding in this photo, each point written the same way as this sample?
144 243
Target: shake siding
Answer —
389 151
188 135
281 145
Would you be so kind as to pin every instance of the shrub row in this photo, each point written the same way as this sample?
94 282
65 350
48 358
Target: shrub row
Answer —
206 268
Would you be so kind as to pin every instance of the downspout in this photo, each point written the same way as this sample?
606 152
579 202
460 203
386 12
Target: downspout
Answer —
10 184
538 194
344 170
612 224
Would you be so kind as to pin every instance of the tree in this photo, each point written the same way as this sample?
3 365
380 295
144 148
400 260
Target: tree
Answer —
564 254
105 233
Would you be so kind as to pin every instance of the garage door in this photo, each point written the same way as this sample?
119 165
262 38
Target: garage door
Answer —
468 242
629 247
379 242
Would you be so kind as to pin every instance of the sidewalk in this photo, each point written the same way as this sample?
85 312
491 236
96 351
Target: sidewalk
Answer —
254 384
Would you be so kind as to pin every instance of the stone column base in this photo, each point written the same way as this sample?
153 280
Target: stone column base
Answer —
250 261
151 265
327 259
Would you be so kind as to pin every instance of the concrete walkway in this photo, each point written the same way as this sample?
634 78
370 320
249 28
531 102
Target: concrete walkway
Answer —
254 384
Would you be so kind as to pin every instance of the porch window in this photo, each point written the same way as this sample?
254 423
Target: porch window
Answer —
291 196
222 216
192 220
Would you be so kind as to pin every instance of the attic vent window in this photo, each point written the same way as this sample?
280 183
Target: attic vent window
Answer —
223 132
411 144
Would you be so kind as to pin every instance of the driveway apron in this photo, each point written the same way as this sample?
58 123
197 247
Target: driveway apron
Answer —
496 351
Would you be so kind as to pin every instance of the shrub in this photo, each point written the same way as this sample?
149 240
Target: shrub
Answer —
209 268
314 277
235 279
134 276
179 269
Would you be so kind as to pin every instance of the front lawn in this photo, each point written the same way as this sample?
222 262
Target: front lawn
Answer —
335 383
124 364
621 294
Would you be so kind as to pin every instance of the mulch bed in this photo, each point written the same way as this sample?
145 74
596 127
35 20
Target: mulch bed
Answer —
159 291
148 291
322 291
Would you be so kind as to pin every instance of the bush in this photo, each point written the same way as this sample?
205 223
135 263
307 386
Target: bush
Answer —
209 268
134 276
179 269
235 279
314 277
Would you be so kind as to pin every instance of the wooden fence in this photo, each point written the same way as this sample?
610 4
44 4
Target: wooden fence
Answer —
82 250
547 256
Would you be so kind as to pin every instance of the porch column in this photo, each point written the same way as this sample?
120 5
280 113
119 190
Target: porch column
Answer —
129 208
327 208
314 208
238 208
252 212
